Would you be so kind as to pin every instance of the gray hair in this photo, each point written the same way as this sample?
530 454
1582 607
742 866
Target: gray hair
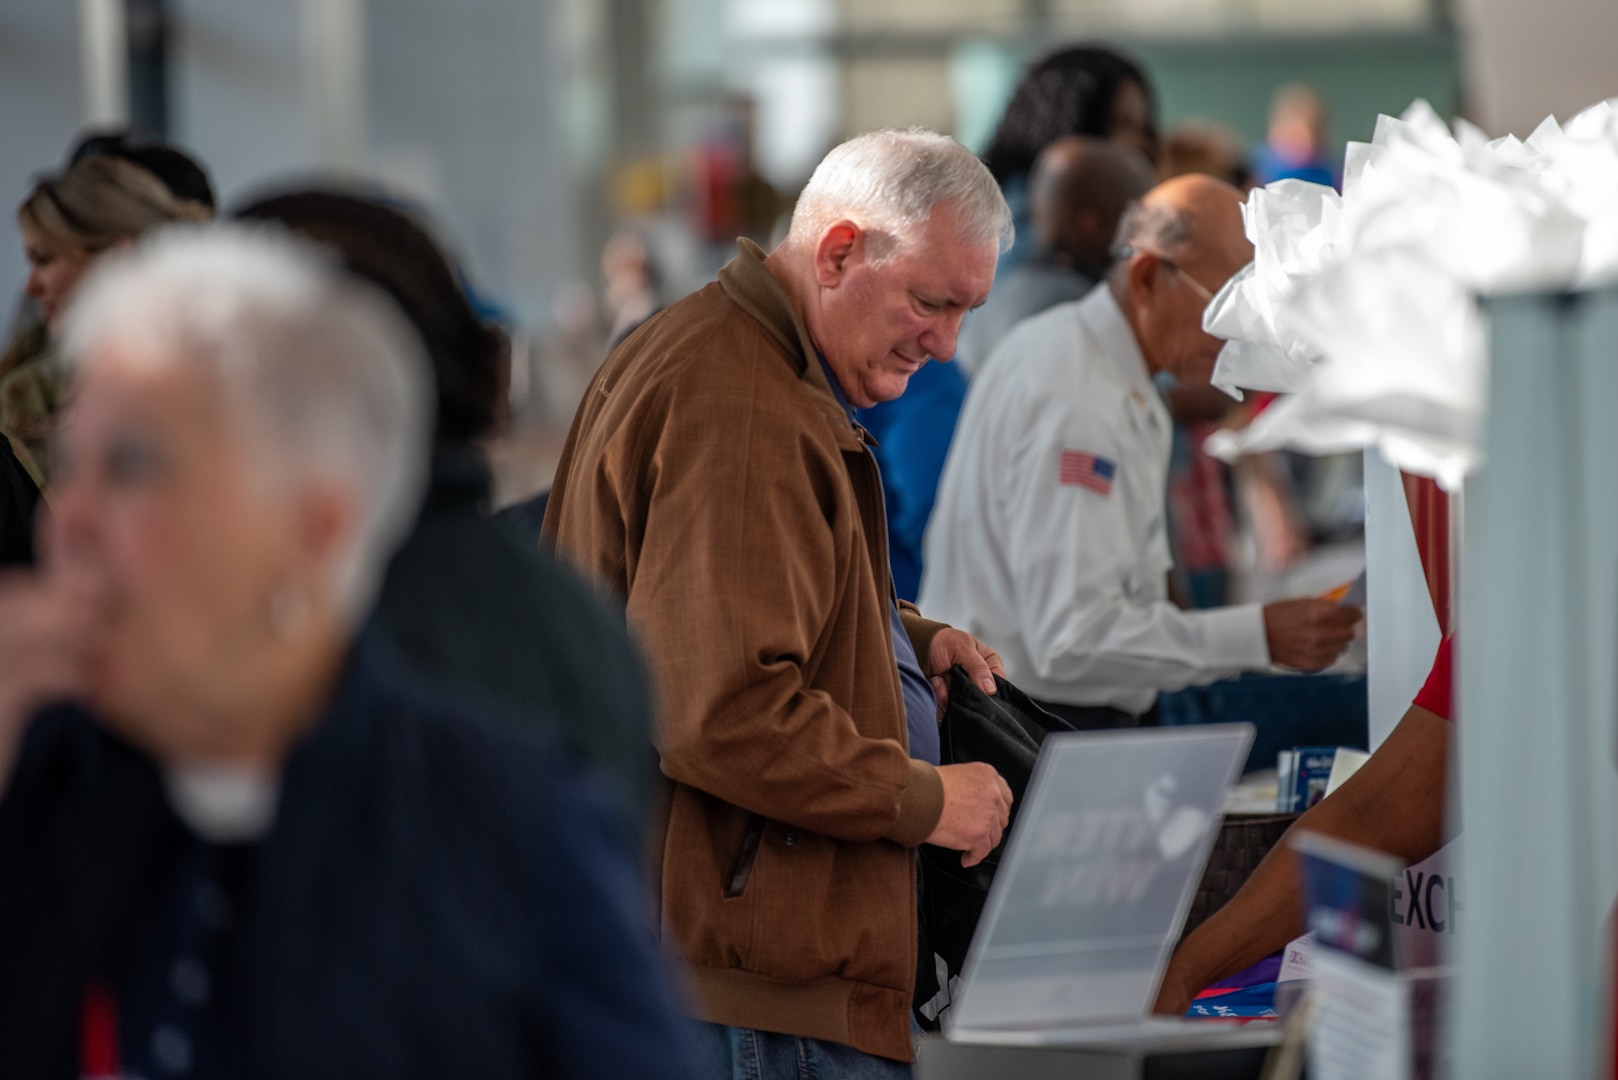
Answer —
889 183
325 375
1158 227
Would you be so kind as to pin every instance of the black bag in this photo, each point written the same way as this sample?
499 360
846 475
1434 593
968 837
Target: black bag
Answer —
1005 731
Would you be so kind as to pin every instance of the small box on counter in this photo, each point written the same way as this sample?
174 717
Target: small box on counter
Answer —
1303 775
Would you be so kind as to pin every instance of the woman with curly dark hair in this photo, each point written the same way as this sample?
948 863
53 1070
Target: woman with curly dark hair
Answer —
1082 90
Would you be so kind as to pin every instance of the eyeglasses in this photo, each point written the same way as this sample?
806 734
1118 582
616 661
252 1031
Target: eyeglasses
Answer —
1190 282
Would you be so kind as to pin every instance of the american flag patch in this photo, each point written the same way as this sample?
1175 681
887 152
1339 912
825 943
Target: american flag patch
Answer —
1079 469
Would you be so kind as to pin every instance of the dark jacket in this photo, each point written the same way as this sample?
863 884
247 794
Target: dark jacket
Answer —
713 480
19 497
465 599
438 896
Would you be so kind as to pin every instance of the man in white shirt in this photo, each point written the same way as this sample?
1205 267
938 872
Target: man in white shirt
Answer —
1048 540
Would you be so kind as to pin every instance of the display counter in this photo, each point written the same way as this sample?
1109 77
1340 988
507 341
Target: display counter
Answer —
1217 1053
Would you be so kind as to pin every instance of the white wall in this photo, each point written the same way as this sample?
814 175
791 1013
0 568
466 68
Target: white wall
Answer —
1526 60
40 104
464 117
459 106
236 79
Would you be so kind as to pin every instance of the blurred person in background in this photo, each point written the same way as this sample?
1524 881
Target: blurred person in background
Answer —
1201 521
259 845
1078 190
716 479
68 222
1297 146
1082 90
632 288
180 172
1049 540
465 597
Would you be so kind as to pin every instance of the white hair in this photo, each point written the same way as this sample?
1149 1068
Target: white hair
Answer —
325 375
889 183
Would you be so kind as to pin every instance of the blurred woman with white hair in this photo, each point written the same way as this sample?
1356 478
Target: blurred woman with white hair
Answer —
256 844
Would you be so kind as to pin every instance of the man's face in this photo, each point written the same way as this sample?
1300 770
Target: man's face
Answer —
1170 297
877 324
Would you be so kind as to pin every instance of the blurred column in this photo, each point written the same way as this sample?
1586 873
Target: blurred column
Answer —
334 59
1537 698
635 107
104 61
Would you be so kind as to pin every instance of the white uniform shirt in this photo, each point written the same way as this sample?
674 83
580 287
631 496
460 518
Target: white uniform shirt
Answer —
1034 549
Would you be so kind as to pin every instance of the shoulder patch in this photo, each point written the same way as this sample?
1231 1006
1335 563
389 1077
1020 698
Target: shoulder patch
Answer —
1078 468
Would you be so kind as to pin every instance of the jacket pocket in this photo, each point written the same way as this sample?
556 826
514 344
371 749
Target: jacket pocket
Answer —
741 867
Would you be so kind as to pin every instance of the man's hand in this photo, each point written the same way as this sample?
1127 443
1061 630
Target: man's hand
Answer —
951 646
1308 634
977 809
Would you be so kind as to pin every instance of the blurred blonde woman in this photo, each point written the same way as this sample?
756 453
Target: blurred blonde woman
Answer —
68 222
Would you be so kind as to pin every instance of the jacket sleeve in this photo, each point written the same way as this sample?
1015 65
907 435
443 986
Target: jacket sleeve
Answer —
733 585
1074 554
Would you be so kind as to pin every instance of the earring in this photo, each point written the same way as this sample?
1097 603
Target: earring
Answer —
289 612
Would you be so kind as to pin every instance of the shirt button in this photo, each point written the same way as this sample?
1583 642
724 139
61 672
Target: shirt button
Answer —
171 1049
190 982
789 839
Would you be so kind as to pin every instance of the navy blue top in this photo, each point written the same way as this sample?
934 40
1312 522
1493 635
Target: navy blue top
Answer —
440 894
921 707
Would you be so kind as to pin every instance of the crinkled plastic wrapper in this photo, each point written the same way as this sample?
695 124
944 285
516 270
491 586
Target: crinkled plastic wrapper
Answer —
1363 306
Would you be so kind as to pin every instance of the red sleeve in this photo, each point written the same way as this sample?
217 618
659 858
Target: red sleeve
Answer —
1438 696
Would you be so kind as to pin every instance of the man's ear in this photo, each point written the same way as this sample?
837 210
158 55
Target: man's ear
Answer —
840 245
327 519
1142 276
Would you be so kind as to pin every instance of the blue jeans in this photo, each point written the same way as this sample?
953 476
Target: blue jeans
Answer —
734 1053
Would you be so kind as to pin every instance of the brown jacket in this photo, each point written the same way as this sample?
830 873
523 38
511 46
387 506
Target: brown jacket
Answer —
713 480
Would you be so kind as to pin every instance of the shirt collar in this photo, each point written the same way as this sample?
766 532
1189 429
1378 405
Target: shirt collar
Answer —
1100 313
836 387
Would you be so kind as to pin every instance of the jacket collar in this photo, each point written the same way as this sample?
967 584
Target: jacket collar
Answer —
757 291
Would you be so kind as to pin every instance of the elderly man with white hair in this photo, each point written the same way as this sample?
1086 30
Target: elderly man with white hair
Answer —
716 479
256 844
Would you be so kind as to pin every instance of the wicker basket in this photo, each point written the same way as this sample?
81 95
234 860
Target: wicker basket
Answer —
1243 841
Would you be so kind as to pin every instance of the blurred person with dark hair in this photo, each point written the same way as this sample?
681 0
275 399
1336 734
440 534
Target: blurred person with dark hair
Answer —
716 478
1077 192
1081 90
258 845
180 172
1296 146
68 222
1049 541
465 597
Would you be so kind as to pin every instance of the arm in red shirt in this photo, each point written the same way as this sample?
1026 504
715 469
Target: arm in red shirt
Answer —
1395 803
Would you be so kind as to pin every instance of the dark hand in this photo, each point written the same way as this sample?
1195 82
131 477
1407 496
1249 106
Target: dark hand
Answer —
1309 634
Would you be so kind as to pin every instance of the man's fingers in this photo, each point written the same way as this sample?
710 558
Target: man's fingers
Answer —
977 669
